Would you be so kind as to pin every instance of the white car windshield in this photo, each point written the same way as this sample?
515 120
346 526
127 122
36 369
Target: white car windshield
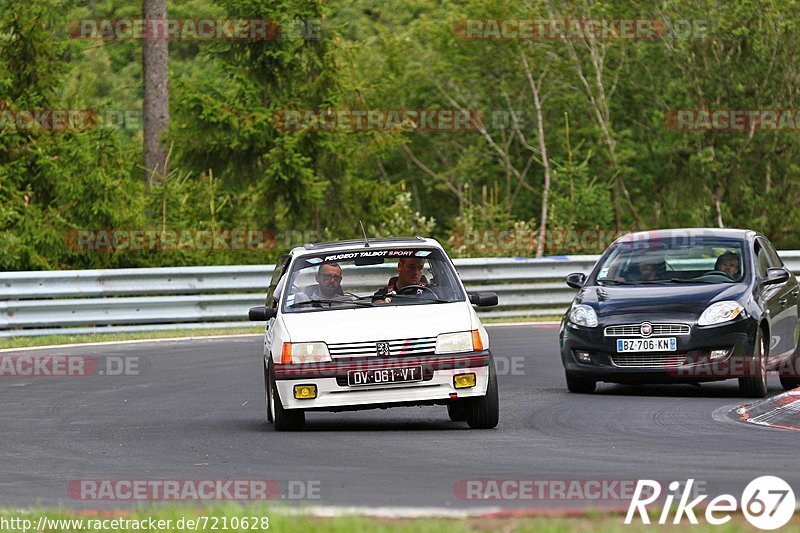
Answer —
370 278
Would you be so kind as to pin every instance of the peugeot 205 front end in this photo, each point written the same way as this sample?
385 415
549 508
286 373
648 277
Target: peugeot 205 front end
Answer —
374 324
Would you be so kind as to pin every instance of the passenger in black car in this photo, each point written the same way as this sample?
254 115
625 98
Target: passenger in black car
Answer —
653 268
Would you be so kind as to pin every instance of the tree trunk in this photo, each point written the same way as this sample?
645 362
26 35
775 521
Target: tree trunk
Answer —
156 92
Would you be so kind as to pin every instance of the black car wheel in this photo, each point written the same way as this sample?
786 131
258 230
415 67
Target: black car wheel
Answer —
790 377
579 385
755 386
484 412
284 419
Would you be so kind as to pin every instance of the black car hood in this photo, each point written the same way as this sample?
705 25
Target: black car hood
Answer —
674 298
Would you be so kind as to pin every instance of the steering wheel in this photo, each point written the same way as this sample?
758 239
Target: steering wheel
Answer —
717 273
411 289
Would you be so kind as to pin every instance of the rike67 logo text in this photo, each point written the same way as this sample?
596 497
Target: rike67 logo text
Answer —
767 502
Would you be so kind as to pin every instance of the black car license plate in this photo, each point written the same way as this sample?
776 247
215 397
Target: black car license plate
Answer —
384 375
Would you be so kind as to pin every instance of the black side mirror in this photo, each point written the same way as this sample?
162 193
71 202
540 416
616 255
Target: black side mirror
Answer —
776 275
483 299
260 313
576 280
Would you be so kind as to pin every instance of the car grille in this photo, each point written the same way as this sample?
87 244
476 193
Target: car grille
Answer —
647 360
397 348
635 330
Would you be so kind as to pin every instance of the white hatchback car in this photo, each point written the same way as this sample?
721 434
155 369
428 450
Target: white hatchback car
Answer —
374 324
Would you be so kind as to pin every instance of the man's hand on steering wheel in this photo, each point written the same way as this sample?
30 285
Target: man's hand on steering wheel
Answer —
409 290
718 273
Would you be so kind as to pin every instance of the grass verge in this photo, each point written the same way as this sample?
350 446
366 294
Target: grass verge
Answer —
45 340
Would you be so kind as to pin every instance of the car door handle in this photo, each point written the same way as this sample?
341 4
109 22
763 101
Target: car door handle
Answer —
795 292
783 301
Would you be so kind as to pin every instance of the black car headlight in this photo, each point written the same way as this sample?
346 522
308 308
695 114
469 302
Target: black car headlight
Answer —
720 312
583 315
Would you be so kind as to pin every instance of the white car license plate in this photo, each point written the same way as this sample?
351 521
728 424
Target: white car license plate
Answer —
384 375
663 344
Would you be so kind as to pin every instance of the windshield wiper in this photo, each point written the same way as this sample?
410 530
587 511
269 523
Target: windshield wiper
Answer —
332 301
692 280
413 297
612 281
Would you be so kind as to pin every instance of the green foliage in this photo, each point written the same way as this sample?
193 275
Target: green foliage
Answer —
614 162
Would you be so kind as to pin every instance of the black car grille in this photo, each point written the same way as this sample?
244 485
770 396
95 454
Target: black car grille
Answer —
635 330
647 360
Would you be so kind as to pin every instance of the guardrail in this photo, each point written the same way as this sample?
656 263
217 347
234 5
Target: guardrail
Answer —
88 301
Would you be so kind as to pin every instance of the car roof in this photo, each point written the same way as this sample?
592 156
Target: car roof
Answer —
400 242
744 234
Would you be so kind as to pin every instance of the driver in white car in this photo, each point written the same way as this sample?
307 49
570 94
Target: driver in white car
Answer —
409 272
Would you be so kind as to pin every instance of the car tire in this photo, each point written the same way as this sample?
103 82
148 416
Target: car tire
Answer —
267 394
790 382
756 386
457 410
579 385
484 412
283 419
790 378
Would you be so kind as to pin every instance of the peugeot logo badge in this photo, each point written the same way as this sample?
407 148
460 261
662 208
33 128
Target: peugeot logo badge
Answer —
383 349
646 329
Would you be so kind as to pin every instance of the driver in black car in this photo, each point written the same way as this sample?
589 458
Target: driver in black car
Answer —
729 264
409 272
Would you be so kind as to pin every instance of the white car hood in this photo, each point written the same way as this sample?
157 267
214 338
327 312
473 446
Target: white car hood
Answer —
377 323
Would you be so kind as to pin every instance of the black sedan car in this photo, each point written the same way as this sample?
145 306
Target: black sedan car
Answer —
683 306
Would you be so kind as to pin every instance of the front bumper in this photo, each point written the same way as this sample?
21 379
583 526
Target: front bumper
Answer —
334 393
689 363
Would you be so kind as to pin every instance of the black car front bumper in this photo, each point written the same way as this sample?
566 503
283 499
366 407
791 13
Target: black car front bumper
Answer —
691 361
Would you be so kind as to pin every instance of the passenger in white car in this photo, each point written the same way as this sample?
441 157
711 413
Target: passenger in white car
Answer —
328 287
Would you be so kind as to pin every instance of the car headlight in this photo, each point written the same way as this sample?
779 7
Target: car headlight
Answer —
583 315
305 352
454 342
720 312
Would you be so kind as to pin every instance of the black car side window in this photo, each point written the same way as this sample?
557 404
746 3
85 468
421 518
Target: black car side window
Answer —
762 260
772 255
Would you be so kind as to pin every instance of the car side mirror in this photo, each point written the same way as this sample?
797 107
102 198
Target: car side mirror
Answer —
483 299
576 280
260 313
776 275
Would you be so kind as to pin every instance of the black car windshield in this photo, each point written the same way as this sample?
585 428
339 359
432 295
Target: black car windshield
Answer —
353 279
703 259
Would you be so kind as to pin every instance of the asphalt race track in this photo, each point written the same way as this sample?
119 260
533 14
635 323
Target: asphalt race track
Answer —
195 410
